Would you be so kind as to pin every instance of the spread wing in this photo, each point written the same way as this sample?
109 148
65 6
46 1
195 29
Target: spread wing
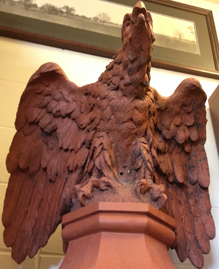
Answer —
181 161
51 131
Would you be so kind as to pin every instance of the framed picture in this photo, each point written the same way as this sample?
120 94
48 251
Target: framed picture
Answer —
186 38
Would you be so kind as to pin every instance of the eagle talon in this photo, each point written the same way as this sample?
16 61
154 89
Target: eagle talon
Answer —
142 187
104 184
156 191
84 191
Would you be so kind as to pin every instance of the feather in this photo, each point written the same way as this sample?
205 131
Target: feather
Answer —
15 186
62 157
160 143
186 108
25 152
68 108
204 179
58 107
45 121
84 120
197 166
51 106
29 128
35 115
179 164
22 204
204 206
97 151
165 164
70 162
145 153
194 253
51 127
51 168
193 133
44 101
200 234
137 163
176 213
57 96
166 133
108 159
11 161
177 120
69 136
49 200
63 126
154 156
46 152
180 135
89 138
98 163
68 90
107 113
76 112
36 157
209 225
173 129
82 156
187 146
78 141
23 239
188 119
79 159
138 118
102 163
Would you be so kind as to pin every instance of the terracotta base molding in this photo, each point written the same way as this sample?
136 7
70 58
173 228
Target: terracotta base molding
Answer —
108 235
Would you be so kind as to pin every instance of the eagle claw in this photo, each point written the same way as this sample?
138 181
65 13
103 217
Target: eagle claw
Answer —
142 187
157 192
84 191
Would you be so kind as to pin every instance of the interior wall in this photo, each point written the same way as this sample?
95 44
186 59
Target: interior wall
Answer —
19 60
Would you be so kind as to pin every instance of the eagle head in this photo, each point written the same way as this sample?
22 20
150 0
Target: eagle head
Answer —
137 28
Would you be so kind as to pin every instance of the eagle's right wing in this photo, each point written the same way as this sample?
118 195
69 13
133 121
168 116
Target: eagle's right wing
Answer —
46 158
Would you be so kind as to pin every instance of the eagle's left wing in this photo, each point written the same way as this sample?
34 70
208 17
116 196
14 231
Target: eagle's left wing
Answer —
181 165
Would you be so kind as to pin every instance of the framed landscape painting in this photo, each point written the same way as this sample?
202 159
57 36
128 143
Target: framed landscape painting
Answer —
186 39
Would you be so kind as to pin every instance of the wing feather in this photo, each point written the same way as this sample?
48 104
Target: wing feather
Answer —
11 161
48 146
180 133
19 210
12 194
29 220
174 210
202 238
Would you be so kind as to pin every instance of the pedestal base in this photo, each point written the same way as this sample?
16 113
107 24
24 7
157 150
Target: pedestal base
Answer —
108 235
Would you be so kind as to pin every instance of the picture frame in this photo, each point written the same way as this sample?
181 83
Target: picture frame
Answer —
203 63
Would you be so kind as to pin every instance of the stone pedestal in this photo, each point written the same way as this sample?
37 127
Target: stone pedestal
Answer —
108 235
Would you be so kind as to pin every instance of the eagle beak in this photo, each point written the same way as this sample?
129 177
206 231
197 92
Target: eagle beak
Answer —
139 8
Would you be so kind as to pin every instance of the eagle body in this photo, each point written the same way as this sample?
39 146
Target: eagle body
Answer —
115 133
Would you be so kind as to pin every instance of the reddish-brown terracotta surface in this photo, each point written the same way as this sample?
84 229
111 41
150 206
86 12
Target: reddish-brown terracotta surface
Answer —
116 139
117 235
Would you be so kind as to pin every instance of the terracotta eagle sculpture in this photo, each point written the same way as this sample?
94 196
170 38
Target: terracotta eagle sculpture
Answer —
117 131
